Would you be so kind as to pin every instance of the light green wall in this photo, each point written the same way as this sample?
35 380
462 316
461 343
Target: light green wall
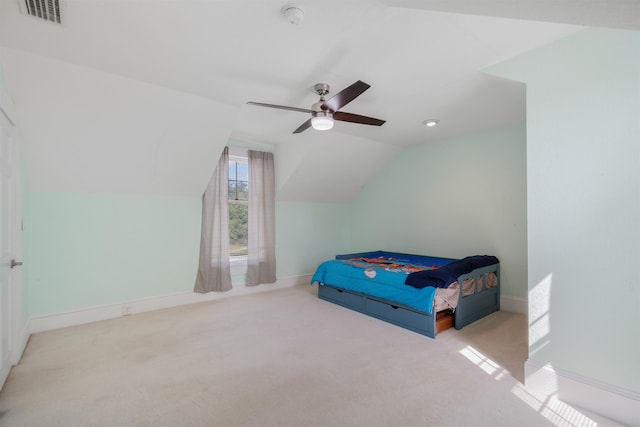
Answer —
452 198
309 233
93 249
583 151
87 250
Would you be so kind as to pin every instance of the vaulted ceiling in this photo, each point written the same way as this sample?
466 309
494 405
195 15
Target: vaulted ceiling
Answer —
185 70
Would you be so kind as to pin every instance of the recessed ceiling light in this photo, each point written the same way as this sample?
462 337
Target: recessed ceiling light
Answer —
430 122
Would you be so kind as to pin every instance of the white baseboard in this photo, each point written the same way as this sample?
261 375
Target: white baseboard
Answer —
595 396
141 305
514 304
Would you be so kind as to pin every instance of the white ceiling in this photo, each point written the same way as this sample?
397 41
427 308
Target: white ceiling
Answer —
420 63
422 58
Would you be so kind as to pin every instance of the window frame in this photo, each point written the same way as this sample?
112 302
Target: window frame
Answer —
238 159
238 263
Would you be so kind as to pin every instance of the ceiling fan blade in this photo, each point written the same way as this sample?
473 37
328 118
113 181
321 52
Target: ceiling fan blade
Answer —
306 125
281 107
345 96
356 118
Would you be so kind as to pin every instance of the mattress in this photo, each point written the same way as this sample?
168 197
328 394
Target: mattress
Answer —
382 275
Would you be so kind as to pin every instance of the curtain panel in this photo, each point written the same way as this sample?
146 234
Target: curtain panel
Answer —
261 258
214 270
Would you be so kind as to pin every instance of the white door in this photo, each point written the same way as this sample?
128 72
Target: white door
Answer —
9 280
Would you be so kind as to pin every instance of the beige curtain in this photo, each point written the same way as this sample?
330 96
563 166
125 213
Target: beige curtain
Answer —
261 258
214 271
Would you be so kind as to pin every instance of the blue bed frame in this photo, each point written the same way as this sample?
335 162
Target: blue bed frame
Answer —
482 302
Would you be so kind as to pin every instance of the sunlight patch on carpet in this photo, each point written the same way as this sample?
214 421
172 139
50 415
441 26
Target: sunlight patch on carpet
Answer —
553 409
483 362
547 405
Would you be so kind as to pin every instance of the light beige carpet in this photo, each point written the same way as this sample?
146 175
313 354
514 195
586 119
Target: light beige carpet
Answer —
280 358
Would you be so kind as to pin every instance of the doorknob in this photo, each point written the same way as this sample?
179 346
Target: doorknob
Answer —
15 263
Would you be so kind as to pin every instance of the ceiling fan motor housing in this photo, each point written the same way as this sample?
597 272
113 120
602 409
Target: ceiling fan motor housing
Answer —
321 88
321 113
318 106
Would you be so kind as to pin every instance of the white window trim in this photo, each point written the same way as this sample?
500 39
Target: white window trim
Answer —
238 263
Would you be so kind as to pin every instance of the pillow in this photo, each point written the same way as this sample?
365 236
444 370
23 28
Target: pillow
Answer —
444 276
478 261
440 277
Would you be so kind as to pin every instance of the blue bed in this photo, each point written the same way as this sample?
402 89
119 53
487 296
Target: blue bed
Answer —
403 288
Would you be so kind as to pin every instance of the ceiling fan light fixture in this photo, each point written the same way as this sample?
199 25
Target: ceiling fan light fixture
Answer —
322 120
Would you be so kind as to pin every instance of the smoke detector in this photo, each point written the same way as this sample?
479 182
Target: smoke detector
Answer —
293 14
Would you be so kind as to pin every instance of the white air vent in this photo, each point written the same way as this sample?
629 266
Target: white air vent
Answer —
49 10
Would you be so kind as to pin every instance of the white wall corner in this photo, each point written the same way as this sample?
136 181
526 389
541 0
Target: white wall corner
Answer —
142 305
595 396
514 304
21 343
7 107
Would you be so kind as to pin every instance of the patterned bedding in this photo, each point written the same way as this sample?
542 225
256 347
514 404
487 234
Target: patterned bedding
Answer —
382 274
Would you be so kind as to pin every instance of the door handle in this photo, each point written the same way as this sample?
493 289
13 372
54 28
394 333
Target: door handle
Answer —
15 263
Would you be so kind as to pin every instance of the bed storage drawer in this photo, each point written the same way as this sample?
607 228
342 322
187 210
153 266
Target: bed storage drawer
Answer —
409 319
341 297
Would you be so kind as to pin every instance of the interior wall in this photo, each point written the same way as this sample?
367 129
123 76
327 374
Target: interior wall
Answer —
90 131
452 198
309 233
583 152
91 249
328 167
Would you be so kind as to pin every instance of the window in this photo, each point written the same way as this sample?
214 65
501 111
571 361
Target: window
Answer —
238 207
238 178
259 266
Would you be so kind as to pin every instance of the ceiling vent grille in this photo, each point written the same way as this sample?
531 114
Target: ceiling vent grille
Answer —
49 10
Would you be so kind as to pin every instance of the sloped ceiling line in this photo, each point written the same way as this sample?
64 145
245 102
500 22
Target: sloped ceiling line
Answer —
158 97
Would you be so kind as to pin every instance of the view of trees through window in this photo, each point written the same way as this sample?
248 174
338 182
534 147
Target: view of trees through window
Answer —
238 231
238 209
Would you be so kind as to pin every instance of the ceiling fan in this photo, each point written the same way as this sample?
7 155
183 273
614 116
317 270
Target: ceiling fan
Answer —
323 113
